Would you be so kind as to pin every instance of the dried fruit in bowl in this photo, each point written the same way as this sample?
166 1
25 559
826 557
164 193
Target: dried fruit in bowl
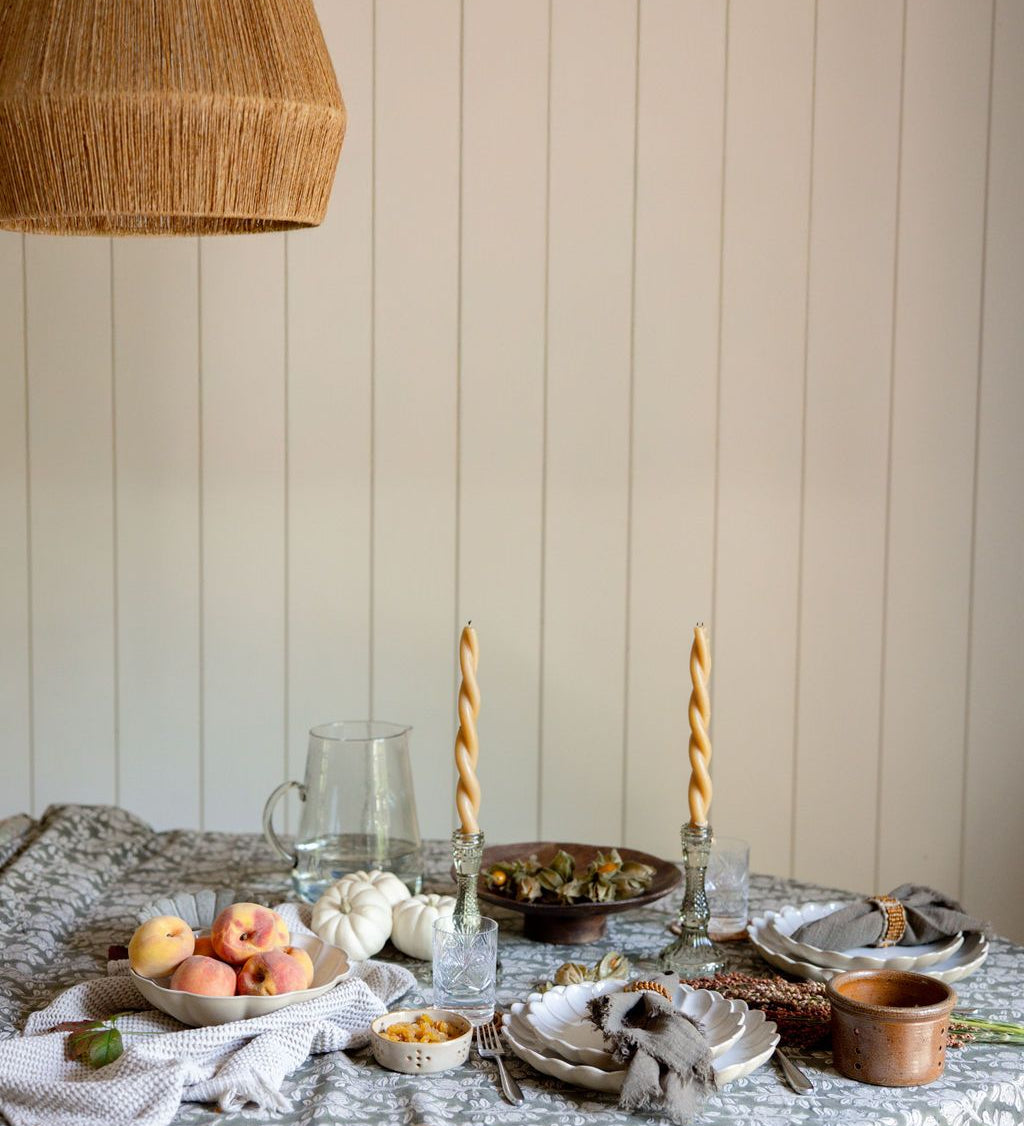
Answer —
605 879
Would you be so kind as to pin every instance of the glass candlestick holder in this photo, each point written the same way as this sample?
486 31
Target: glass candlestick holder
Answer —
693 954
467 854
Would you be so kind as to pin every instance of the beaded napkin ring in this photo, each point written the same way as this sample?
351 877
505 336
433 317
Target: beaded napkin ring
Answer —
648 987
895 919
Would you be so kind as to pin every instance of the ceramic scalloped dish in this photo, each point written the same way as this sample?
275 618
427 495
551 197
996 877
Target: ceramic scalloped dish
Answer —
330 966
757 1040
559 1019
789 919
961 964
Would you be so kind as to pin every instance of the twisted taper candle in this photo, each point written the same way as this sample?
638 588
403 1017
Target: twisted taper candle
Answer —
467 749
700 717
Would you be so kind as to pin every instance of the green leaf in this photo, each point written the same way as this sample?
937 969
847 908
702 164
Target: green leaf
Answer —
96 1047
76 1025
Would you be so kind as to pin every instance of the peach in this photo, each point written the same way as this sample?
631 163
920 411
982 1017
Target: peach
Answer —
160 945
303 959
245 929
204 946
270 973
200 974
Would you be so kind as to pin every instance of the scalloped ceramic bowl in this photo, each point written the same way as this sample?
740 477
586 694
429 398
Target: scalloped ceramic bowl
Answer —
788 919
330 966
560 1019
962 963
756 1043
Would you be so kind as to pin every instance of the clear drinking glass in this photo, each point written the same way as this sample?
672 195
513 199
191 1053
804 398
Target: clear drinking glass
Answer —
465 965
358 811
728 887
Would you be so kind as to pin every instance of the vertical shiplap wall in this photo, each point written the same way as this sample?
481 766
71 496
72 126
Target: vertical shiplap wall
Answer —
627 313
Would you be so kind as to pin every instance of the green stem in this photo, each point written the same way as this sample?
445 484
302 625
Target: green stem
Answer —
992 1031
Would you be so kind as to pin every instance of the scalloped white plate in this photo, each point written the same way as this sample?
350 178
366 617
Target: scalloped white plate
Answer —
330 965
964 962
559 1018
789 919
758 1039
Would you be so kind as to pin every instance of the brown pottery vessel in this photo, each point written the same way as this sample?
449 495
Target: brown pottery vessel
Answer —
889 1027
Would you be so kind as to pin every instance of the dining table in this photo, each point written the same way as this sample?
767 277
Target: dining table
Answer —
77 880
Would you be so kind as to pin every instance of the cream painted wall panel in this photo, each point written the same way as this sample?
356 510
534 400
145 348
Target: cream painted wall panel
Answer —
849 342
993 828
416 245
15 653
678 238
330 319
72 521
593 53
156 433
243 530
283 429
501 431
938 290
764 288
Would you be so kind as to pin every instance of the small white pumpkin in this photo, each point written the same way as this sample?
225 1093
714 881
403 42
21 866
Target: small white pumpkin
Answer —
355 917
387 883
412 928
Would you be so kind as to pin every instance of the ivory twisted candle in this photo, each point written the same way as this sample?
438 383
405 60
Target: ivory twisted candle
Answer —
467 749
700 717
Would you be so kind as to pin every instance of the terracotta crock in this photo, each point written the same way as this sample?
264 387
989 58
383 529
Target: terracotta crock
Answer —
889 1027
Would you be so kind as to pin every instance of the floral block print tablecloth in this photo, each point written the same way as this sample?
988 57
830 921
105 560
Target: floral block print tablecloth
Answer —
73 883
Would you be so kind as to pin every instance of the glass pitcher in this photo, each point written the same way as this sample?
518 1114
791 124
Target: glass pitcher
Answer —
359 810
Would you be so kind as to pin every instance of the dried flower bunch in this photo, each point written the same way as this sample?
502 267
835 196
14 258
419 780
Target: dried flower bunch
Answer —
613 965
801 1010
606 878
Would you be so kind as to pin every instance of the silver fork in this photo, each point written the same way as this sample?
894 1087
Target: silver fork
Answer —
489 1047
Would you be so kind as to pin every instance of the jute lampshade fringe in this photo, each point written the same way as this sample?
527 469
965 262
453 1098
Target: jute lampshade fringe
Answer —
162 117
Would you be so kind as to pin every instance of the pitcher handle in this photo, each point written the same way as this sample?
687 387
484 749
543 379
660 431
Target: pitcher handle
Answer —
268 820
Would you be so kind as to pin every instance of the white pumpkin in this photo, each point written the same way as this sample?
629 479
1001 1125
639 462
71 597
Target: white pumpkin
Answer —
387 883
355 917
412 927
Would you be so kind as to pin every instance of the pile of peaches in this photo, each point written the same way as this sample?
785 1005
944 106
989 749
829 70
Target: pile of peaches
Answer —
247 952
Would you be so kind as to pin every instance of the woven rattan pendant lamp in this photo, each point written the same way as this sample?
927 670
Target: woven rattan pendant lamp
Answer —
162 117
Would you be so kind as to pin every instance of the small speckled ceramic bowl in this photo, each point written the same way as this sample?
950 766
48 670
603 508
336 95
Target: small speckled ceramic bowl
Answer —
420 1059
889 1027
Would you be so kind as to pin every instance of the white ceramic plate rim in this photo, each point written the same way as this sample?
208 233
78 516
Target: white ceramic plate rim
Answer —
759 1037
787 919
963 963
720 1023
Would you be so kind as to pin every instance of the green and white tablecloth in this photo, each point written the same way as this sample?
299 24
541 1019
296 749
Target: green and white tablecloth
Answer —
73 883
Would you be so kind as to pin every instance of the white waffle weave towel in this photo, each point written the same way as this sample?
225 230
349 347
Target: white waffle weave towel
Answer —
229 1064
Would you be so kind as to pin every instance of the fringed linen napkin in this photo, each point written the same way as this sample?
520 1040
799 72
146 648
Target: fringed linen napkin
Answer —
909 915
669 1061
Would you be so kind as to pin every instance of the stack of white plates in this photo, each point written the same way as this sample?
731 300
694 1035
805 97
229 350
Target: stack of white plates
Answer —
553 1034
949 960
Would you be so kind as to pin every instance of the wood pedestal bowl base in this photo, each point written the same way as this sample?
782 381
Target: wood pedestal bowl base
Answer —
579 922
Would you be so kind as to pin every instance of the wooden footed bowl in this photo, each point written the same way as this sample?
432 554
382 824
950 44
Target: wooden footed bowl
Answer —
576 922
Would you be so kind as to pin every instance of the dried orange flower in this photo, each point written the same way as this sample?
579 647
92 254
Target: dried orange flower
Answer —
422 1030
